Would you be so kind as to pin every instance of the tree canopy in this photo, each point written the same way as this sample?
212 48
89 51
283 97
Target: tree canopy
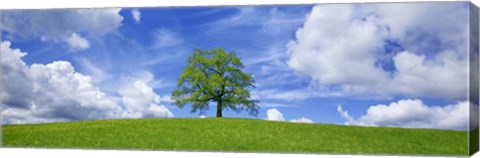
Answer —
215 76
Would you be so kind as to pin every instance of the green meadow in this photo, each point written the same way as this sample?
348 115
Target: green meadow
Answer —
237 135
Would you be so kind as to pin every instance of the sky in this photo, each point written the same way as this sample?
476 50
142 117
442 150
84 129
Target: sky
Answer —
372 64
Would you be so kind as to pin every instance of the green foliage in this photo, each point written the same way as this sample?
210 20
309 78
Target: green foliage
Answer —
228 134
215 76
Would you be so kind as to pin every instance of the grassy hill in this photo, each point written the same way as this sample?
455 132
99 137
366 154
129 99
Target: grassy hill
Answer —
228 134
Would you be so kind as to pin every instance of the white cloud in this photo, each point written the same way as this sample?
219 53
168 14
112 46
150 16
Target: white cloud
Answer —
165 38
76 42
136 15
66 22
276 22
274 115
202 116
444 76
146 77
52 92
271 21
302 120
15 73
424 23
156 110
345 115
244 16
166 98
334 49
111 85
140 101
343 45
410 113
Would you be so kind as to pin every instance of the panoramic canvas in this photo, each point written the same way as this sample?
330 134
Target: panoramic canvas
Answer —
360 78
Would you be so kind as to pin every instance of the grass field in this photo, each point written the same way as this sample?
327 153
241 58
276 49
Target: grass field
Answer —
228 134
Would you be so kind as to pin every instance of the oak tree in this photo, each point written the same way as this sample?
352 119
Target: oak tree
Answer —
215 76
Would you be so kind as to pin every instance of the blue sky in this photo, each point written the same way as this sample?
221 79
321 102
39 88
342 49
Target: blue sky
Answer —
310 63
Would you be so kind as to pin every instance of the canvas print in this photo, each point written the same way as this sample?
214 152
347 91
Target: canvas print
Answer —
359 78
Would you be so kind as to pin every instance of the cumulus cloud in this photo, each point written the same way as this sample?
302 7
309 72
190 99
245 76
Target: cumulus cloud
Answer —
140 101
413 113
76 42
444 76
275 115
334 48
426 23
53 92
136 15
66 25
302 120
14 72
344 46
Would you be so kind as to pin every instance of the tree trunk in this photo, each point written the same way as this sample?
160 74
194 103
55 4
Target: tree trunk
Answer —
219 109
